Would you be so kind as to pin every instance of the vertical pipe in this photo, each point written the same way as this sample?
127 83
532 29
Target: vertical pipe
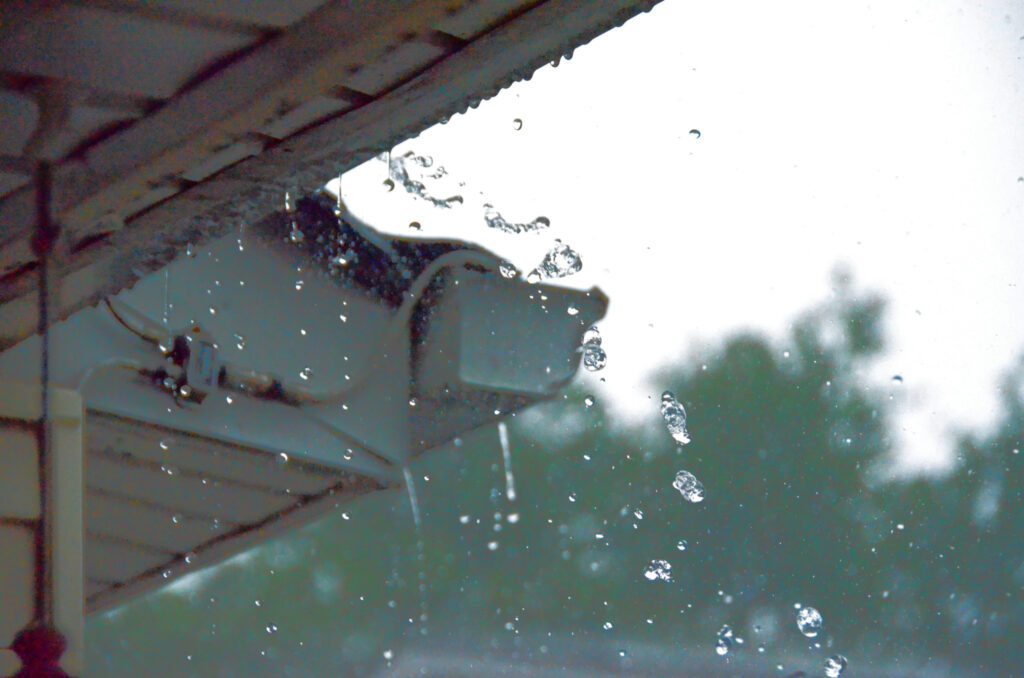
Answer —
43 244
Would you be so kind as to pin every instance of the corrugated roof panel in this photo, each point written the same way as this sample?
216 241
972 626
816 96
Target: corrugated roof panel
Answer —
399 64
182 492
478 16
263 12
19 114
214 458
143 523
107 561
114 51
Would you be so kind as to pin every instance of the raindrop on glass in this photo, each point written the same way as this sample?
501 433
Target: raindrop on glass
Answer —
809 621
835 665
688 486
675 417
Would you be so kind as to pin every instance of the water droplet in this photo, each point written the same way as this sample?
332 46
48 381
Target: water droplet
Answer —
658 570
688 486
190 250
724 640
675 417
809 621
561 261
494 219
594 357
177 518
589 401
271 628
464 519
835 665
295 236
416 226
607 626
897 379
507 270
517 124
389 185
572 310
282 458
681 545
306 373
240 342
163 445
513 518
695 133
388 654
492 546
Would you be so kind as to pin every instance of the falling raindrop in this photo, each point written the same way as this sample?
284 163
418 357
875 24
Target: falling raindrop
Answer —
507 270
506 455
415 225
177 518
594 357
688 486
240 342
897 379
835 665
589 401
306 373
607 626
658 570
809 621
724 640
572 310
389 184
190 250
681 545
517 124
271 628
695 133
675 417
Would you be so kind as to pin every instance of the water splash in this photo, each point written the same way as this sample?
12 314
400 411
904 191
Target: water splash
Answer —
835 665
724 640
410 489
508 270
561 261
408 171
688 486
421 557
809 621
495 220
506 455
675 417
658 570
594 357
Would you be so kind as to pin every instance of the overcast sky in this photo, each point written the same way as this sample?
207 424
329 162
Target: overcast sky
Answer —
886 137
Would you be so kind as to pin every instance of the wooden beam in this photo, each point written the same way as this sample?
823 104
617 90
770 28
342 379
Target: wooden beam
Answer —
252 189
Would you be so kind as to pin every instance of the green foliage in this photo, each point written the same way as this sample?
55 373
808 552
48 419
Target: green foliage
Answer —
784 439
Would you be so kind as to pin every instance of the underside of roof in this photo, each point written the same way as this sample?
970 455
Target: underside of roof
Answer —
168 122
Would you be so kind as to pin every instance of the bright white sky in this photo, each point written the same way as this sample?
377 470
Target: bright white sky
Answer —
884 136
